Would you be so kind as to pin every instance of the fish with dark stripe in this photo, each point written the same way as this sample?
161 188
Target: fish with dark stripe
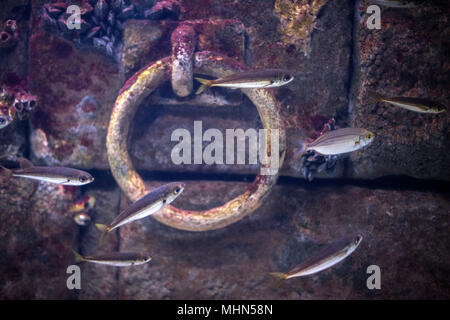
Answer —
339 141
267 78
59 175
116 259
419 105
145 206
324 259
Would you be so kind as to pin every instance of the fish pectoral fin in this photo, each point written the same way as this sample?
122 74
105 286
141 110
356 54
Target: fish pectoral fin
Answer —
302 150
25 163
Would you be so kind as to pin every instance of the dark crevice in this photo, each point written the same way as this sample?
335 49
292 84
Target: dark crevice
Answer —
117 249
393 182
351 65
352 72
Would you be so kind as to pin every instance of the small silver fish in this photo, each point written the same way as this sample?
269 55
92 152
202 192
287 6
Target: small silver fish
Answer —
413 104
394 3
339 141
116 259
145 206
325 259
58 175
267 78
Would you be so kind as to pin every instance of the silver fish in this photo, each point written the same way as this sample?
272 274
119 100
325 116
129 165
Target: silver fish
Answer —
58 175
145 206
339 141
267 78
325 259
413 104
116 259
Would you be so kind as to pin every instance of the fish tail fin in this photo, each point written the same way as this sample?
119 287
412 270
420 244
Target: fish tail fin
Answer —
78 257
205 84
302 150
4 169
5 174
279 275
104 229
280 278
374 96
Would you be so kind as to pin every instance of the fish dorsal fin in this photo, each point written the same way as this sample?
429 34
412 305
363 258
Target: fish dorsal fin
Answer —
25 163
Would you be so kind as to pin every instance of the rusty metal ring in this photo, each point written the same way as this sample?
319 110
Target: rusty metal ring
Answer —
130 97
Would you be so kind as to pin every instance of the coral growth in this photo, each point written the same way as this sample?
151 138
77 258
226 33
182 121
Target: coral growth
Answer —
15 101
298 20
9 35
313 163
101 21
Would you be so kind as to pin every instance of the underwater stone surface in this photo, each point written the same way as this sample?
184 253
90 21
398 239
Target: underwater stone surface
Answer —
13 60
146 40
403 234
307 103
406 57
36 237
63 134
151 148
13 72
76 90
13 141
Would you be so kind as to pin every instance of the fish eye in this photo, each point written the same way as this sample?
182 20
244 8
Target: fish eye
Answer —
2 120
83 178
177 190
164 201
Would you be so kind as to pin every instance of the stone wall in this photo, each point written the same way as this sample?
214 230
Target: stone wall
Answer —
403 216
